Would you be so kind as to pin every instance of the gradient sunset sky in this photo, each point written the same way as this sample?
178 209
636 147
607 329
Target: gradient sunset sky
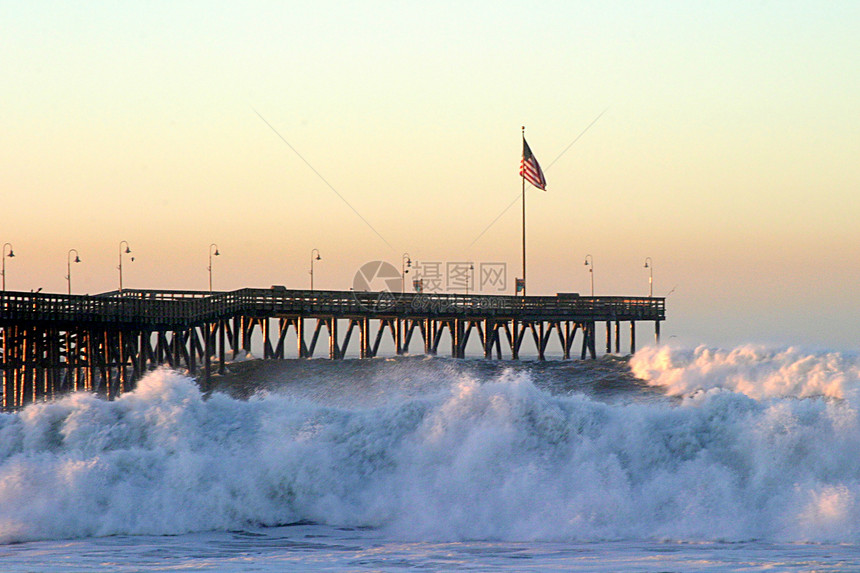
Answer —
726 148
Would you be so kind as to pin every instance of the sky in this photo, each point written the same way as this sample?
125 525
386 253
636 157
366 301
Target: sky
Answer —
720 139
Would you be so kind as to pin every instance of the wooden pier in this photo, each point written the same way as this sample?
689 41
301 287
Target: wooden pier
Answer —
51 344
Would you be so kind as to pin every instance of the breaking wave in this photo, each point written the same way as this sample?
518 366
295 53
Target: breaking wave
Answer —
756 371
755 449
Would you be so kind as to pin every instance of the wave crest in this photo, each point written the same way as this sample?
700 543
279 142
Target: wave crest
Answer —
756 371
493 457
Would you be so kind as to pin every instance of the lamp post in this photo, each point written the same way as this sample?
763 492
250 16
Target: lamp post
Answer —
121 253
312 265
211 254
405 265
589 262
10 255
69 266
649 264
471 277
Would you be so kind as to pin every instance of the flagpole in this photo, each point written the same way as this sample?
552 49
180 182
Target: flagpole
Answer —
523 177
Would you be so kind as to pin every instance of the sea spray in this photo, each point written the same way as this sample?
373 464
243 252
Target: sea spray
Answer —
468 457
756 371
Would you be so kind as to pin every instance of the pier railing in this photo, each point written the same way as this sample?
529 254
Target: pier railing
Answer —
182 309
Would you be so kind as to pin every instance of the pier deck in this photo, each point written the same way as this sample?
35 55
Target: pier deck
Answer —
55 343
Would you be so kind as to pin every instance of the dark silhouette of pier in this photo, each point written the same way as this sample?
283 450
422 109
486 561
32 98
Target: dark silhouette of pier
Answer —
52 344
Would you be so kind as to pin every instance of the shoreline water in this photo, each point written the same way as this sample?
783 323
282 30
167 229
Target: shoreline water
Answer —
321 548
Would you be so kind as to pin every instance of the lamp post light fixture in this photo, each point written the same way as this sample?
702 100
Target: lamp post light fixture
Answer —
121 253
69 266
10 255
471 277
314 258
211 254
649 264
589 262
405 265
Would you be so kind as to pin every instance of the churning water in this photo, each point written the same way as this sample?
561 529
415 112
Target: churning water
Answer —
675 459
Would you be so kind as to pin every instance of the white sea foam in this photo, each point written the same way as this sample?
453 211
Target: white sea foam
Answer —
470 458
757 371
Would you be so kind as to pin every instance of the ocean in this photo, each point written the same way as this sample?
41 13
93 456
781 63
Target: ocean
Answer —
674 459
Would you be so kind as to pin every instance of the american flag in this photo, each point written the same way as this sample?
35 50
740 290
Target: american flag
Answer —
530 168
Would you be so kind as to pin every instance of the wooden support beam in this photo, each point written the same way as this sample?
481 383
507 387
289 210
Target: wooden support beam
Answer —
92 380
398 335
557 325
380 330
28 389
345 346
207 357
586 333
410 329
173 353
248 324
303 350
426 332
465 330
222 347
333 351
512 337
196 346
364 331
140 357
519 332
565 345
316 335
487 335
335 347
120 362
71 379
186 351
234 339
538 338
593 341
283 328
632 337
53 381
545 330
102 358
608 337
438 327
268 349
8 370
